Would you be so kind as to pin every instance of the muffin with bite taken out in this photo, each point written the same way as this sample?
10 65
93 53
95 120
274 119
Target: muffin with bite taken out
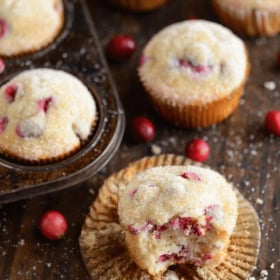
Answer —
177 215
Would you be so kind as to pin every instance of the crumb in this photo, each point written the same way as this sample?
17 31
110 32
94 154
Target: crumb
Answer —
91 191
156 150
48 264
259 201
264 273
21 242
251 278
272 266
269 85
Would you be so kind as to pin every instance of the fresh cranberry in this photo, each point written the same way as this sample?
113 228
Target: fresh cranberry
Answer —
164 257
10 92
143 129
2 65
53 225
3 28
190 176
132 193
272 122
3 124
199 69
121 47
198 150
44 104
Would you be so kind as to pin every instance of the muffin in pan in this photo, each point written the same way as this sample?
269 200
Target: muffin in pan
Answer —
45 115
194 72
28 27
139 5
177 215
250 17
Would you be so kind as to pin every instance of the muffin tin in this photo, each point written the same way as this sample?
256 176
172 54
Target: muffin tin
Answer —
76 51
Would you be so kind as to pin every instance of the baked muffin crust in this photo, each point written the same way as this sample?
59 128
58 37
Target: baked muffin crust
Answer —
177 215
27 27
44 114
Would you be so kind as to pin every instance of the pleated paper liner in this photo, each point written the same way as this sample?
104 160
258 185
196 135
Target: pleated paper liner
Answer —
103 247
196 115
252 22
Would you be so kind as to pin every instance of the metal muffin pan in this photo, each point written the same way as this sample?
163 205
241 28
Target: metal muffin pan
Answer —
77 51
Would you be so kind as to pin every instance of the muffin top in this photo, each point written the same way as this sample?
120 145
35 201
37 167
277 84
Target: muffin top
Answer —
266 4
159 194
26 27
193 62
44 114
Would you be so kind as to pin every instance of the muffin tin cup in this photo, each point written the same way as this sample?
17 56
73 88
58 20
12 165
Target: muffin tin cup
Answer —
80 54
102 240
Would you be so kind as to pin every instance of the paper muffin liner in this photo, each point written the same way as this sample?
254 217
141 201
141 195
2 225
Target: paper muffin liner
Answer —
102 241
43 44
198 115
252 22
139 5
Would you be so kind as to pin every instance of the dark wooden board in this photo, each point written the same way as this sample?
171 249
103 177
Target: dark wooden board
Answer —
240 148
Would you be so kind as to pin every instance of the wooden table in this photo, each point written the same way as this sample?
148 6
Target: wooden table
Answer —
240 148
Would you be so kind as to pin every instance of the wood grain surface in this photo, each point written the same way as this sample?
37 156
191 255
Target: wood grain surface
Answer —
241 149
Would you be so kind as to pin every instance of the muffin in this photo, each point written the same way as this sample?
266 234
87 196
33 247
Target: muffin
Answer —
139 5
45 115
28 27
177 214
194 72
250 17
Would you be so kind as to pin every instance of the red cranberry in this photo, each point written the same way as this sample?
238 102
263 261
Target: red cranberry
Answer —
44 104
198 150
2 65
190 176
3 124
143 129
53 225
199 69
121 47
10 92
272 122
3 28
164 257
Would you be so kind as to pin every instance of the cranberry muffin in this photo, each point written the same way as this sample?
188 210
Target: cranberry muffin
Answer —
27 27
194 72
45 115
250 17
177 214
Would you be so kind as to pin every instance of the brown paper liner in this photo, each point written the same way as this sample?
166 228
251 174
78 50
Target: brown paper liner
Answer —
197 115
103 247
139 5
252 22
42 44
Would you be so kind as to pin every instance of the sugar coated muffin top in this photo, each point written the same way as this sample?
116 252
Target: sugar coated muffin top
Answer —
193 62
26 27
44 114
161 193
